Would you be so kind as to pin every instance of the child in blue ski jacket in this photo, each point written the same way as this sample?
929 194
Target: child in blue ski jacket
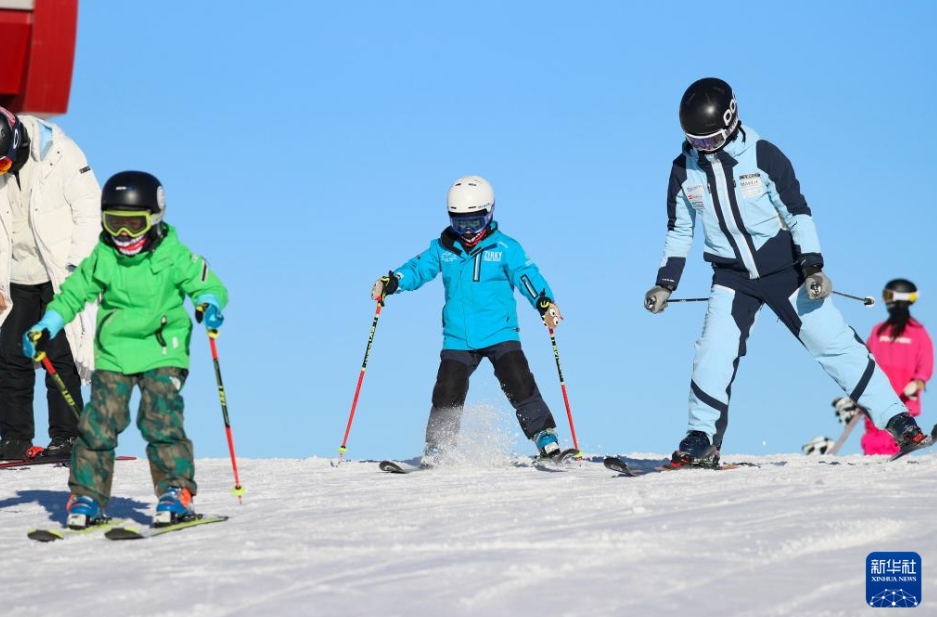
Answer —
763 247
480 269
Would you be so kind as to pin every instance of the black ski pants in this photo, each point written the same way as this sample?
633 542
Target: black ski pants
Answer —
452 384
18 373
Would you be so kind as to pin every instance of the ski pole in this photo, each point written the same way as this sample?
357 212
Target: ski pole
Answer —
238 490
364 366
868 300
42 357
559 370
669 300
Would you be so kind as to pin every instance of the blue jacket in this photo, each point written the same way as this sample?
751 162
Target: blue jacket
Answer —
754 217
480 309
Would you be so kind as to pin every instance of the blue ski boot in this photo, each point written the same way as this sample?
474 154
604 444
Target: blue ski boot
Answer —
83 512
695 450
547 443
175 506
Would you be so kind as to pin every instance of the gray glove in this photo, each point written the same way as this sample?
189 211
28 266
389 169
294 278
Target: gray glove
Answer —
655 300
819 285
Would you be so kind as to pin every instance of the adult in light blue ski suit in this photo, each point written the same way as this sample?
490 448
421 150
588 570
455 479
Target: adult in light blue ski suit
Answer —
480 268
762 243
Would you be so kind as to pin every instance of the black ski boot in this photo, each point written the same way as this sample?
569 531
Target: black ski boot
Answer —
59 449
14 449
907 434
695 451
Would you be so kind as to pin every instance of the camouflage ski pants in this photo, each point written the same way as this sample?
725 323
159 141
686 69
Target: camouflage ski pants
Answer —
159 419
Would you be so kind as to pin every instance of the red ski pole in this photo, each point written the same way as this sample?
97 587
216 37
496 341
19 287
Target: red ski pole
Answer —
364 366
559 370
238 490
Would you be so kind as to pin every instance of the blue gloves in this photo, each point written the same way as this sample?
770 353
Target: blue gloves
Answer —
37 337
208 310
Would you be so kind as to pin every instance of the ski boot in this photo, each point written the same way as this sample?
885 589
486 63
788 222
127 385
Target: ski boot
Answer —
695 450
432 456
14 449
547 444
59 449
907 434
83 512
175 506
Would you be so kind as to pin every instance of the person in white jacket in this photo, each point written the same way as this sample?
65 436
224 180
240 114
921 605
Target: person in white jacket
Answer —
49 221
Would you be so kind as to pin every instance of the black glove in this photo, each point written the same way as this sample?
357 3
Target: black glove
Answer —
549 312
385 286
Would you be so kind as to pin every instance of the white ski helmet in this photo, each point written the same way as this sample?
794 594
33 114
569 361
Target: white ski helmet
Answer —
469 195
471 203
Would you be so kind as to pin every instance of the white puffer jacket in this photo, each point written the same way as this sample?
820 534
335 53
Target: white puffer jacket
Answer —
65 218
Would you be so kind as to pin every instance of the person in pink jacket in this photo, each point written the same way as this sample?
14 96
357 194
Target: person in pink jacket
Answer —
904 350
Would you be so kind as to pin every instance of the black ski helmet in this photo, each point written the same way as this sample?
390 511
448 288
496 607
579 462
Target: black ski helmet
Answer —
136 191
709 114
899 290
14 142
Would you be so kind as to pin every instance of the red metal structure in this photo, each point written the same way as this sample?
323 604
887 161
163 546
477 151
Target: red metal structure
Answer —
38 55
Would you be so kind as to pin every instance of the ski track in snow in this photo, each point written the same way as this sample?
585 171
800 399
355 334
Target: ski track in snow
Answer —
311 539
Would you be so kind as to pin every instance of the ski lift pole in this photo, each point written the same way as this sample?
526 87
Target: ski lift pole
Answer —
559 370
238 490
364 366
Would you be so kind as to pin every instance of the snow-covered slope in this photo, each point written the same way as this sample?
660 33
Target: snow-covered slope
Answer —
787 538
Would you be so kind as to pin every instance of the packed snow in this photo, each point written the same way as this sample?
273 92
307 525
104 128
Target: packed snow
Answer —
491 536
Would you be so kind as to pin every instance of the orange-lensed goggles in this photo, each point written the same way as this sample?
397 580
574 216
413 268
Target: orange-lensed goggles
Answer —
897 296
6 163
122 223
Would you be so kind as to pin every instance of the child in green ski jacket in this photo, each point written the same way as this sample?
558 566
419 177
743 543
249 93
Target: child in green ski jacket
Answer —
142 274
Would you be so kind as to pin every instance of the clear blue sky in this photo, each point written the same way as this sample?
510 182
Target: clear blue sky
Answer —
306 148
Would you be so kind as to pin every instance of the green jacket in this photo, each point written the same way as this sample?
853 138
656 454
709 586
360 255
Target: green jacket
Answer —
142 322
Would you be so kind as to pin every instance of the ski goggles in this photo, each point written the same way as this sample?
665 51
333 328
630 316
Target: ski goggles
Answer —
469 224
6 163
898 296
713 141
122 223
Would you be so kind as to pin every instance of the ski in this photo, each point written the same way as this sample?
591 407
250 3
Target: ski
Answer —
64 533
394 467
927 442
58 462
557 463
560 462
132 533
853 423
616 464
720 467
